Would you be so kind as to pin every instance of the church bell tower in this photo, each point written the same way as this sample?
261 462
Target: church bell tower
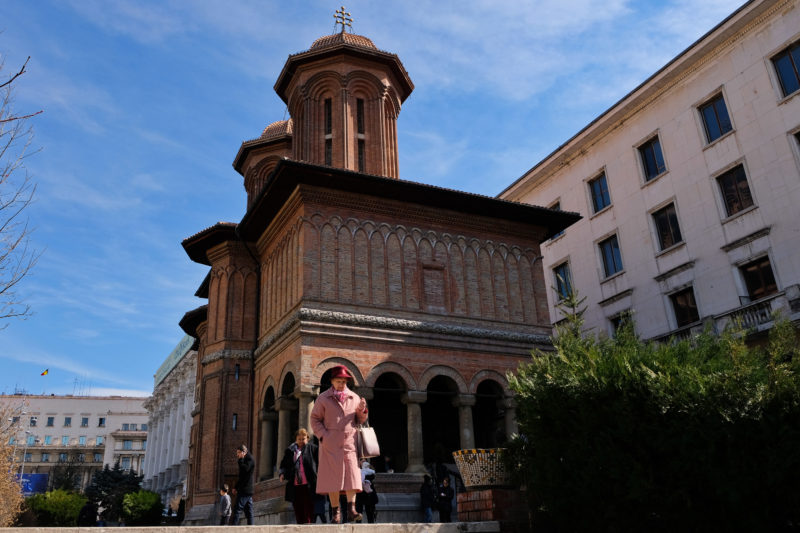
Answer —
344 96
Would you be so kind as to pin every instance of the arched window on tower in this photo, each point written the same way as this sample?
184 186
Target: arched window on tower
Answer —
360 133
328 132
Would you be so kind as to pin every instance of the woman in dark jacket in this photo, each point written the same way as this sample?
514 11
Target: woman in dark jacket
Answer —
299 470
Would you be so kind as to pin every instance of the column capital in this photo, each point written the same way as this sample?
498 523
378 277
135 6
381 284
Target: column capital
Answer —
303 393
509 402
413 396
285 403
367 393
265 415
464 400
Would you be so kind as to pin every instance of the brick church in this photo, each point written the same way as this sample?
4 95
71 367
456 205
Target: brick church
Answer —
429 296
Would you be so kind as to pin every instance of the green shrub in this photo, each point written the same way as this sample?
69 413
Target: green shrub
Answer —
623 435
142 508
58 508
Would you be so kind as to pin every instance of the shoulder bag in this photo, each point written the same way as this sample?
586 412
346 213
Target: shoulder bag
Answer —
367 442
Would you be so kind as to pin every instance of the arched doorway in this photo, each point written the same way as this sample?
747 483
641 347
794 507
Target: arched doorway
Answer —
488 415
268 443
388 415
440 431
287 394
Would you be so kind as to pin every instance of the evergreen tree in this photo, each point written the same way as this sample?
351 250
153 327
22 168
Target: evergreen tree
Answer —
108 489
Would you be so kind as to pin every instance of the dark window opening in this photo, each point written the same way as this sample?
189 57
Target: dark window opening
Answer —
563 280
669 232
652 159
600 196
787 67
612 259
735 190
715 118
684 307
759 278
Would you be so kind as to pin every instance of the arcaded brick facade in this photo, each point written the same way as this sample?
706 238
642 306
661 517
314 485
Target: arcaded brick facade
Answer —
428 296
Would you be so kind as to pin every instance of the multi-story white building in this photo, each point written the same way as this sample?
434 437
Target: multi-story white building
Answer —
170 410
688 187
86 432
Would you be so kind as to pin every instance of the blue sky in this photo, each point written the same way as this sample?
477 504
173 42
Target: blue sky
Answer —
145 104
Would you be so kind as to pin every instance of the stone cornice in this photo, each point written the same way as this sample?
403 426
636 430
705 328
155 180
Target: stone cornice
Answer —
420 215
747 239
227 354
677 270
396 324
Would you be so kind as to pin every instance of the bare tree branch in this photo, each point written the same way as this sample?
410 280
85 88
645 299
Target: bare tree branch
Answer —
17 189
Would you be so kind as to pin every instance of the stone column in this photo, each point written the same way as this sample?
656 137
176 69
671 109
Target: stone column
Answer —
464 402
510 406
284 406
266 454
305 401
413 399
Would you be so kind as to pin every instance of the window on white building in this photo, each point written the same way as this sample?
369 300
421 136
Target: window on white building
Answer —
759 278
33 421
619 320
612 258
45 457
667 228
65 440
125 463
127 445
28 457
85 422
684 307
652 159
48 440
98 458
598 188
81 457
82 440
101 422
126 427
31 440
62 457
735 190
51 420
144 445
563 280
99 440
67 421
715 118
787 67
144 427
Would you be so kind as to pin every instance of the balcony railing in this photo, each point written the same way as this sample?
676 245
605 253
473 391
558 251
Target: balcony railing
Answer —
752 316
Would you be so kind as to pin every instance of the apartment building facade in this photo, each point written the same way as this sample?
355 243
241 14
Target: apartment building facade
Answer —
84 432
688 188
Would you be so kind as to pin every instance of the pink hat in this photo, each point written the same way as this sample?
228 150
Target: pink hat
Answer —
340 372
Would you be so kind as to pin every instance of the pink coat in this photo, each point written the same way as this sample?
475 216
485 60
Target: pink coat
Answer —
334 424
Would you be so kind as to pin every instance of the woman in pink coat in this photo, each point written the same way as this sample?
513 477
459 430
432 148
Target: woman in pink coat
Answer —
333 419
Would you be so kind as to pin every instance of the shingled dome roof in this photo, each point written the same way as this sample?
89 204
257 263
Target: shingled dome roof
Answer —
343 38
277 129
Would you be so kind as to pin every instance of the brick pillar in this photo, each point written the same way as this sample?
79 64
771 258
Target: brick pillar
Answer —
413 399
266 453
464 402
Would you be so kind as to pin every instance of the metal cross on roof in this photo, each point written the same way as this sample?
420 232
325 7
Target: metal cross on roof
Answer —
343 17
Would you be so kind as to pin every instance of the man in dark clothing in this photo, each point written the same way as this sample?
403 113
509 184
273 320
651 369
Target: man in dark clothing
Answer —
244 486
427 497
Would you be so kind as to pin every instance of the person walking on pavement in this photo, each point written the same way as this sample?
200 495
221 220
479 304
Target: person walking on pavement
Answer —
299 470
244 486
334 417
